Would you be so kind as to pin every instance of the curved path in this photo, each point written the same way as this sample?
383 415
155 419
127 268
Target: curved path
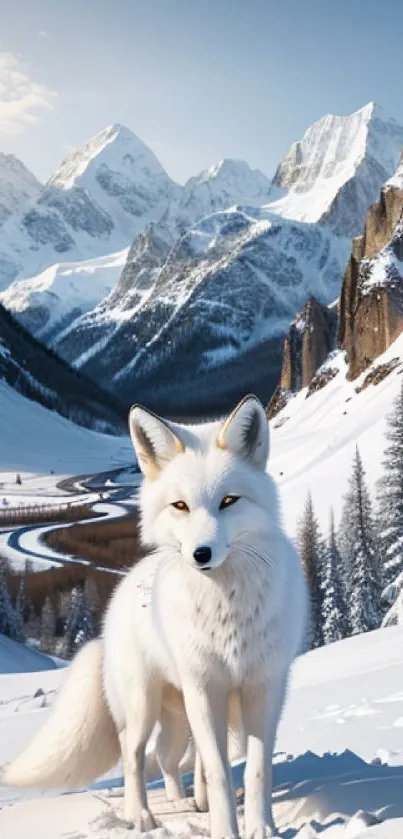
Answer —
25 542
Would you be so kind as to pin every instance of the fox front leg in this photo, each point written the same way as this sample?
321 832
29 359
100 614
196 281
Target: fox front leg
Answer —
207 715
257 779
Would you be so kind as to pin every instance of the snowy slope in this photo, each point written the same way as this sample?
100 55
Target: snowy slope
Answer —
93 205
396 180
336 171
18 186
34 371
314 438
34 439
48 302
205 310
339 751
17 658
221 186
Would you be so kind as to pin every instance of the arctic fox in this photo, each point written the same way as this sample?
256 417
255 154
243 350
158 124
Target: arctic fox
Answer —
203 630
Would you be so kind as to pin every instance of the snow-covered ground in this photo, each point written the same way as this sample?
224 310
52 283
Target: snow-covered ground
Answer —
314 438
339 751
18 658
35 441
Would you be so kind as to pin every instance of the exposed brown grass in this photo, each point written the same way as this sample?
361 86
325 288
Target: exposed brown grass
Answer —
105 544
45 514
107 548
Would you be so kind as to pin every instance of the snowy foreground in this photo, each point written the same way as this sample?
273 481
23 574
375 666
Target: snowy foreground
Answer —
339 752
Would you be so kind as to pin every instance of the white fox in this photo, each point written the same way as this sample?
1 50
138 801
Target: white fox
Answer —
204 629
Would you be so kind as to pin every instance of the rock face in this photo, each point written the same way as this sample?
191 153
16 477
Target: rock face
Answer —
199 313
94 204
187 277
371 302
18 187
188 330
369 314
336 171
310 339
50 301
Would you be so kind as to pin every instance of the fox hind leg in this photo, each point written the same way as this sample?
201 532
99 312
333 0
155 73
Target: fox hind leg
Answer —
133 739
200 785
172 743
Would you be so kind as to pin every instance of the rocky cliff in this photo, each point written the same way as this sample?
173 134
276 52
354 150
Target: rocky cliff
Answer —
369 315
371 301
310 339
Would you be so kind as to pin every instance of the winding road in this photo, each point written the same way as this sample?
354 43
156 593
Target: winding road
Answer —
21 543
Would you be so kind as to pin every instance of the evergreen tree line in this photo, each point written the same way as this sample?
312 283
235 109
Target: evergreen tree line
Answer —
16 617
355 572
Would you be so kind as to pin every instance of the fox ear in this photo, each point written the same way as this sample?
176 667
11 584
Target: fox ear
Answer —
154 442
245 432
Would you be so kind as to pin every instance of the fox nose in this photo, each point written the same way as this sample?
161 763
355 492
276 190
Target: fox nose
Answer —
202 555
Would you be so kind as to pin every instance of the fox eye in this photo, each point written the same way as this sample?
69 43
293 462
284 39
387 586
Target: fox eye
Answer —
180 505
228 500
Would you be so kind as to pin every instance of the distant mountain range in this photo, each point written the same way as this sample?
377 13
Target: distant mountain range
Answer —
180 296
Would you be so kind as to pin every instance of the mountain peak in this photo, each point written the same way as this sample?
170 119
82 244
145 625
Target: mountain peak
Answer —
223 184
227 167
114 132
334 155
372 110
18 186
117 147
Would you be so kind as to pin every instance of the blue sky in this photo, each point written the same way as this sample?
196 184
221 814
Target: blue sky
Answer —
197 80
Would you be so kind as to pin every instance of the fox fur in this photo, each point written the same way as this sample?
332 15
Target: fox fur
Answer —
200 633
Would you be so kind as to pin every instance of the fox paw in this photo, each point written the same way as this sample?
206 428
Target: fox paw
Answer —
267 831
201 802
142 822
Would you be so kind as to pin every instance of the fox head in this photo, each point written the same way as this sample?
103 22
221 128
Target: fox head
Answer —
205 488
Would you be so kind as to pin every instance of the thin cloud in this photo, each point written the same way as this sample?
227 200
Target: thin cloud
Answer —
21 98
43 34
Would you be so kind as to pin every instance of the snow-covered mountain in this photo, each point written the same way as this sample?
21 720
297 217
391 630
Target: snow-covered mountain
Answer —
48 302
18 186
218 188
336 171
210 286
30 369
94 204
153 320
187 332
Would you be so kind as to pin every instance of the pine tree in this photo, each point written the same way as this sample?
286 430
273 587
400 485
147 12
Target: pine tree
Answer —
334 609
311 548
23 603
79 625
390 495
361 557
9 622
48 626
393 595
